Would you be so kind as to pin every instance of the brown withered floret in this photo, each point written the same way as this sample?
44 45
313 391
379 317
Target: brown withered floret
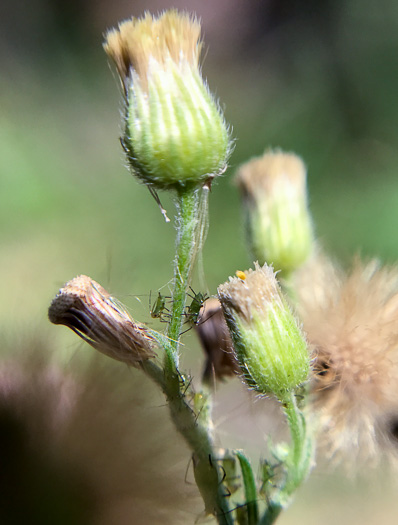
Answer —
93 314
216 342
138 40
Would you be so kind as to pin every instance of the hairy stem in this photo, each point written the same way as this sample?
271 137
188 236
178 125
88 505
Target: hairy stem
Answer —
190 414
298 464
188 222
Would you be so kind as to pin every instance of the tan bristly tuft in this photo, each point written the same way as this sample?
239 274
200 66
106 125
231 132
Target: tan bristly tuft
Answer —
173 36
93 314
263 287
260 174
351 323
268 342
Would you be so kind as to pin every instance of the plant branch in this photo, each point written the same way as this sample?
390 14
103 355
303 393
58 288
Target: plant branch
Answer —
190 411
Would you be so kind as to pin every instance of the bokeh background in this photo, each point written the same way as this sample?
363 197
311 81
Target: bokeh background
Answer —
316 78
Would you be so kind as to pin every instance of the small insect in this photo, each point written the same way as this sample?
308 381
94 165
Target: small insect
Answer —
192 311
229 465
241 275
159 310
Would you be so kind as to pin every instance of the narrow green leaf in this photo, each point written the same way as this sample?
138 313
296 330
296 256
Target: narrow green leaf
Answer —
249 484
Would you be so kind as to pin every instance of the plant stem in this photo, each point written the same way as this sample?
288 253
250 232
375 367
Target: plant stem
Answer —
188 221
193 423
298 464
297 426
271 514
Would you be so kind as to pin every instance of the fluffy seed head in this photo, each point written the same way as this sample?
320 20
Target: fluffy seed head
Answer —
93 314
351 323
78 443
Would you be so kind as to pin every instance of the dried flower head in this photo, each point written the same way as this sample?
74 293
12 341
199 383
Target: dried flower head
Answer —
92 313
268 342
216 341
351 322
171 37
175 133
278 223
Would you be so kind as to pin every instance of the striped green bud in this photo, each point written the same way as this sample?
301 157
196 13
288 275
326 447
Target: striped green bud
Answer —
268 342
175 134
278 222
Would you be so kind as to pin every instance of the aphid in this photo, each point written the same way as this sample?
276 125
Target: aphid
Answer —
241 275
209 475
192 311
159 310
231 478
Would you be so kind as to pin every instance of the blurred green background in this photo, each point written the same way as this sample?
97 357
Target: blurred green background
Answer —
316 78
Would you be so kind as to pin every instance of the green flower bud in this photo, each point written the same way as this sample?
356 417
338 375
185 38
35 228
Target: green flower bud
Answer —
268 342
175 133
278 223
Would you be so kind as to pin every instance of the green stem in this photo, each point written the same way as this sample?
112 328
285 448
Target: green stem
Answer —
154 371
297 426
193 424
188 222
195 428
271 514
298 464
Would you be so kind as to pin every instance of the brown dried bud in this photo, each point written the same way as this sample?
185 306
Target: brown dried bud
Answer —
94 315
216 342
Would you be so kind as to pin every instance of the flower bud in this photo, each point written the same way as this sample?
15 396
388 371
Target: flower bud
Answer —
175 133
216 342
86 308
279 226
269 345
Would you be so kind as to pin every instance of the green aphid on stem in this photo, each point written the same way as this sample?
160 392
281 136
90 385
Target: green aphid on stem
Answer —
268 474
192 311
228 463
159 309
